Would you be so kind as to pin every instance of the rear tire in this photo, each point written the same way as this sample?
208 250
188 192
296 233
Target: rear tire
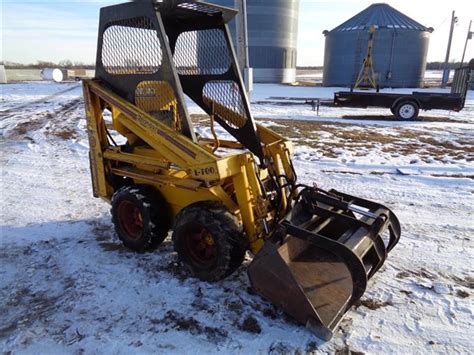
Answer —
209 240
407 110
140 217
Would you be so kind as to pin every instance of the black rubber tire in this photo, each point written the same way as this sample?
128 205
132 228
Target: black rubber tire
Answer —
228 238
153 211
401 105
392 110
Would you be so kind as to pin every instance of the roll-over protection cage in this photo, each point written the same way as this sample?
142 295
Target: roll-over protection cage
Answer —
150 53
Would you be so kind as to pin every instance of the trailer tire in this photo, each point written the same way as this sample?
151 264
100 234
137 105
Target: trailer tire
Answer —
209 240
407 110
140 217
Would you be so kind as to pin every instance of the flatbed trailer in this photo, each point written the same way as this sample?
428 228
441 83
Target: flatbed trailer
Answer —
406 106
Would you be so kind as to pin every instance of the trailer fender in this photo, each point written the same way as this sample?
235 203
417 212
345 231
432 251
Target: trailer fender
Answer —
405 98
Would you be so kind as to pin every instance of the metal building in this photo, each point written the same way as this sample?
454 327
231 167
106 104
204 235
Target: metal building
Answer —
272 34
399 49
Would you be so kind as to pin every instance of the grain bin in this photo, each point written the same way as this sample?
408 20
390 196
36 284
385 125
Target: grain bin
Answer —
272 32
399 50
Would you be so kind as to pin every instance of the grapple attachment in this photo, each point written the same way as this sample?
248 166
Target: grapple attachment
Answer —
316 266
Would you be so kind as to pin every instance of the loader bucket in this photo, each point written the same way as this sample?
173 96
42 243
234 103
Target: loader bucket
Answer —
318 264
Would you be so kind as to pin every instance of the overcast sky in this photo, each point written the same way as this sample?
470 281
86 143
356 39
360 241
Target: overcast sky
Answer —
53 30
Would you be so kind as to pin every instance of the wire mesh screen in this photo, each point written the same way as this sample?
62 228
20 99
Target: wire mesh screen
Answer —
198 7
202 53
224 98
131 47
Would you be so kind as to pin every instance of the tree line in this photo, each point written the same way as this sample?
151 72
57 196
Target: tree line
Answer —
429 66
68 64
40 64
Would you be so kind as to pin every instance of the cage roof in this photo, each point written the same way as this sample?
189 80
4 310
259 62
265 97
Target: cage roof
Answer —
381 16
182 10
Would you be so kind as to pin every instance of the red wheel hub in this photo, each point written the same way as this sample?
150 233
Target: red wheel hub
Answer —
130 219
201 245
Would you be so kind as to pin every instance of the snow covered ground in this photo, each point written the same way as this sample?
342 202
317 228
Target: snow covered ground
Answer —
68 286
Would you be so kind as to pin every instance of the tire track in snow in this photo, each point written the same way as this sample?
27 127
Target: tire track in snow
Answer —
41 100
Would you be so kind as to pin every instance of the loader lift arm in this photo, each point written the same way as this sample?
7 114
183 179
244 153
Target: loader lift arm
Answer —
314 250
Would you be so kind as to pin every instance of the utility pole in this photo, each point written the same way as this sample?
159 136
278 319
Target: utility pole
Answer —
468 37
444 81
243 45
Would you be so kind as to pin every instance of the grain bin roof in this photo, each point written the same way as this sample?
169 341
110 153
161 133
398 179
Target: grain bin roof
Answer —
382 16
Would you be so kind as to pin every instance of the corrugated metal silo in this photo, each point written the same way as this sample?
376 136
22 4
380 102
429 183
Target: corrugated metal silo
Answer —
399 49
272 33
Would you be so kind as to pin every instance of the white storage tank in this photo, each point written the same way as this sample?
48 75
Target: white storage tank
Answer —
3 75
54 74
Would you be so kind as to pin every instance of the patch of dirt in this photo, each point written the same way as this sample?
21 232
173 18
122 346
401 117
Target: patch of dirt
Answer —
102 238
199 302
422 273
7 329
42 303
466 147
250 325
311 347
65 134
347 351
104 234
18 296
425 274
22 129
234 306
179 322
342 172
102 230
402 275
462 294
61 125
57 123
467 281
270 312
330 137
380 173
215 334
111 246
279 348
372 304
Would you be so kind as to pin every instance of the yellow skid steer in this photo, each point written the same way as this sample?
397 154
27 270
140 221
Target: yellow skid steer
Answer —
313 250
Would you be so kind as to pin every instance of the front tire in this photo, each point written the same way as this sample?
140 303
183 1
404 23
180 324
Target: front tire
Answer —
140 217
209 240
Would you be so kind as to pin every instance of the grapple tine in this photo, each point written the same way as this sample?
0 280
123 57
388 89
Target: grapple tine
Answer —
317 266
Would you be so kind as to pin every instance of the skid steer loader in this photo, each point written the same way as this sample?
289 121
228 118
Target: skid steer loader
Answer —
313 250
